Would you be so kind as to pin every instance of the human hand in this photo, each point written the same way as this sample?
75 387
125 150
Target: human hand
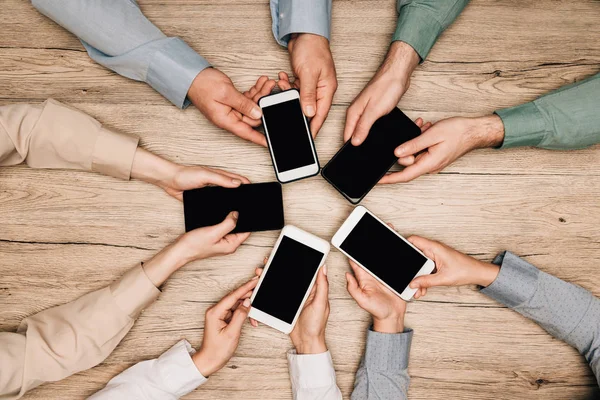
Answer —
315 76
223 328
382 93
386 308
453 268
308 336
213 93
193 177
211 241
443 143
262 87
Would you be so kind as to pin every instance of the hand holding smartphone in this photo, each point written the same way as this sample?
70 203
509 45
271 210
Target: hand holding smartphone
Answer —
381 251
355 170
260 206
288 136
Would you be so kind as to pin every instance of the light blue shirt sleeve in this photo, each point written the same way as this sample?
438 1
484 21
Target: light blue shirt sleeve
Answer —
117 35
300 16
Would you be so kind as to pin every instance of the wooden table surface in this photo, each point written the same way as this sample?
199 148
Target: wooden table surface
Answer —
65 233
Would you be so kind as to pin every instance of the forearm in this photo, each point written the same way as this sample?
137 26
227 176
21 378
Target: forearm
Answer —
149 167
566 311
117 35
383 371
564 119
53 135
421 22
300 16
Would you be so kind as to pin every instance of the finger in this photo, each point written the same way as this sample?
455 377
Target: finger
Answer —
284 81
363 126
323 107
239 317
308 93
406 161
266 259
242 104
391 225
248 93
427 281
231 174
261 82
252 122
227 225
426 126
359 273
265 90
419 122
229 301
254 322
322 291
414 146
421 166
230 243
245 131
258 271
218 178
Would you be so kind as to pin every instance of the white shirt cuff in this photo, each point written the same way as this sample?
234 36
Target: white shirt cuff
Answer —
308 371
178 371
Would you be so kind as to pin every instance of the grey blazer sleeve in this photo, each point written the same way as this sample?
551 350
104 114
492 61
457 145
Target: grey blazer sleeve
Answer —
383 371
566 311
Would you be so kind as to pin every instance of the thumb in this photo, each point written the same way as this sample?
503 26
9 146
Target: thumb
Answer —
241 103
239 317
308 94
219 179
353 288
225 227
363 126
322 293
426 281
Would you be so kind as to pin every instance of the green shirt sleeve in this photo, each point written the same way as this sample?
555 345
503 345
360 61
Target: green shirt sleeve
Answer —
421 21
568 118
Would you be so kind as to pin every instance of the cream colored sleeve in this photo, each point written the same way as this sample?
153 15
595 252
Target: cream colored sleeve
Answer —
61 341
53 135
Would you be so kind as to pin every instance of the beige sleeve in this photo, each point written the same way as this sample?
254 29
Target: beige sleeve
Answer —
53 135
61 341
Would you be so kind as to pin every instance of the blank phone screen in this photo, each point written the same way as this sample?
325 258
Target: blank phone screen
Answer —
383 253
289 138
260 206
287 280
354 170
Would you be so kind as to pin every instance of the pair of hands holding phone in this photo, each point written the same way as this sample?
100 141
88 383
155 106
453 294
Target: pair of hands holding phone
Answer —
214 94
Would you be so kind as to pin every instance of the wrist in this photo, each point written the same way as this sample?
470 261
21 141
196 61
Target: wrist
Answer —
490 131
314 38
151 168
391 324
205 365
400 61
314 345
486 273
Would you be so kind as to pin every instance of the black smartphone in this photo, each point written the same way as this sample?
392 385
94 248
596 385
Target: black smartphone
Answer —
355 170
260 206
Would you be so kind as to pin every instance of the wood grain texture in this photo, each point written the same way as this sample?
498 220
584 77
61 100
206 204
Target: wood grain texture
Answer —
65 233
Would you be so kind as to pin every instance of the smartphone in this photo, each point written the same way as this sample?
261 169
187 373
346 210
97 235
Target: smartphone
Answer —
260 206
288 278
288 135
382 252
355 170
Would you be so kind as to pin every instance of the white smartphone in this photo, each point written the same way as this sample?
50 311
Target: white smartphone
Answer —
288 135
381 251
288 278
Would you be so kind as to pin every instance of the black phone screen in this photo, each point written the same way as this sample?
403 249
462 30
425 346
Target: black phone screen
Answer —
287 280
290 141
383 253
260 206
354 170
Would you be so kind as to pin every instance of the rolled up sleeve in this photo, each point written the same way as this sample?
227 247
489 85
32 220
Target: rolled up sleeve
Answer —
300 16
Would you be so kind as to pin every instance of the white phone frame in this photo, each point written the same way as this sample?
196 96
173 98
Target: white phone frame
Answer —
347 227
307 239
298 173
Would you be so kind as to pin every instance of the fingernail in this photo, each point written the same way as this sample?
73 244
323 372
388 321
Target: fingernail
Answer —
255 113
236 181
355 141
398 152
235 214
247 303
325 270
310 111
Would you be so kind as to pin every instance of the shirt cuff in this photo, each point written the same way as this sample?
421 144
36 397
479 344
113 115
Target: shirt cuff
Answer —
113 154
178 371
418 28
524 125
173 69
134 291
309 371
300 16
388 351
516 283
